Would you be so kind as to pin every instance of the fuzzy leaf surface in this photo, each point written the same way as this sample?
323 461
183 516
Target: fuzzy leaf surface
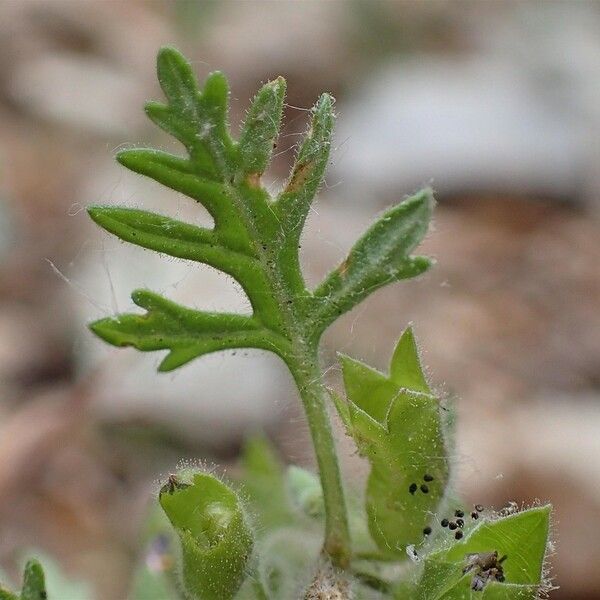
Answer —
521 537
397 424
186 333
255 238
261 128
216 541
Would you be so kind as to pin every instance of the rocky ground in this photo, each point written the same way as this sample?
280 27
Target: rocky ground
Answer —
509 320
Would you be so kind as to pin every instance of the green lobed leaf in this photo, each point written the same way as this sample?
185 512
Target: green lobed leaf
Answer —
178 239
183 176
381 256
185 332
216 540
397 424
521 537
255 238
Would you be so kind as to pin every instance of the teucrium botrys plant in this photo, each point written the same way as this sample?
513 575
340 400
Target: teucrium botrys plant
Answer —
397 420
255 239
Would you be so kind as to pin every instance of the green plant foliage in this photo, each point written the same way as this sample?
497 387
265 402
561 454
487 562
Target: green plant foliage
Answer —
255 237
396 420
397 424
34 584
255 240
521 537
216 541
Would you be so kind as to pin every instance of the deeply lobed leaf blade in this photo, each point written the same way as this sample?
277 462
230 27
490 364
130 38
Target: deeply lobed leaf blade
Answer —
185 332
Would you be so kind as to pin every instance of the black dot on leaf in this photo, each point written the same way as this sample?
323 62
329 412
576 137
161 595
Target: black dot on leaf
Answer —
444 522
427 477
427 530
460 523
474 515
412 488
458 535
452 525
424 488
479 508
459 513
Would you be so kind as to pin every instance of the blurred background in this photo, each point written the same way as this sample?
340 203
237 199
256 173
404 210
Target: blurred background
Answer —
495 104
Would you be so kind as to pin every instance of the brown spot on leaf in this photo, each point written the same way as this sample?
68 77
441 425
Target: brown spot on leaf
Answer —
253 180
343 268
299 176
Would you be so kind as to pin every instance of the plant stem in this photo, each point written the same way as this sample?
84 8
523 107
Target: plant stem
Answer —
309 379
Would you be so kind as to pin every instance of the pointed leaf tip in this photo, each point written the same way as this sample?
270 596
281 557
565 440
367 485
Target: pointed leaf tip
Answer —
381 256
405 369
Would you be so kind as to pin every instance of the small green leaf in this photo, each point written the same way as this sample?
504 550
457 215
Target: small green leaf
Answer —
305 491
216 541
398 427
261 128
381 256
521 537
57 583
34 585
185 332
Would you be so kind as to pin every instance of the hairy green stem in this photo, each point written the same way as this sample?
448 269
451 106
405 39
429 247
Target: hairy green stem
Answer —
309 380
